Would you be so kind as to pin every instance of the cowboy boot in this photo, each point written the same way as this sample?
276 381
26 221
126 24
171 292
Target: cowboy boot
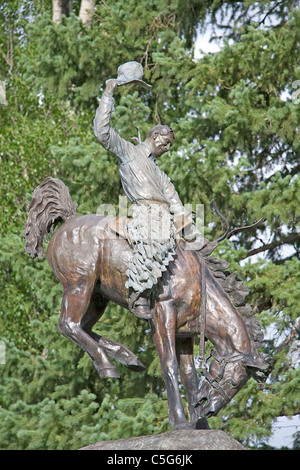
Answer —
139 306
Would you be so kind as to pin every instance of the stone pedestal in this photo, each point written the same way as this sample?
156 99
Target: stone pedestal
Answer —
173 440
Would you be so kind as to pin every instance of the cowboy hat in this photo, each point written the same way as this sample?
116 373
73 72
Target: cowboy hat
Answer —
131 72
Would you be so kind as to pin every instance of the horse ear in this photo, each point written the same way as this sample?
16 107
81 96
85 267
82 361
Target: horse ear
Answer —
255 368
249 362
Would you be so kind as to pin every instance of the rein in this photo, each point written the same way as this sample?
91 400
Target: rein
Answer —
202 316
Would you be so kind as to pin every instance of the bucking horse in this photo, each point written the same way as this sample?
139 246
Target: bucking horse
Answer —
197 295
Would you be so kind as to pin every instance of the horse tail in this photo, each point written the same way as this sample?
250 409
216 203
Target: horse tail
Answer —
51 203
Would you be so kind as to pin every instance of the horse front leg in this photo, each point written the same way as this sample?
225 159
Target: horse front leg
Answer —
190 379
163 329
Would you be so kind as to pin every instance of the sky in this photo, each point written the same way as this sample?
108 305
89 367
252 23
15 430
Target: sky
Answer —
284 428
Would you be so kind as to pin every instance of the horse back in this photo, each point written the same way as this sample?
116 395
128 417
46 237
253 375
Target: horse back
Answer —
73 251
85 250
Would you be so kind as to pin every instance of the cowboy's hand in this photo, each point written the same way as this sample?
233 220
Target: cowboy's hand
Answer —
191 233
111 86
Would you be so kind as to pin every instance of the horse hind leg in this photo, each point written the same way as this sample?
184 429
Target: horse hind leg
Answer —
115 350
74 306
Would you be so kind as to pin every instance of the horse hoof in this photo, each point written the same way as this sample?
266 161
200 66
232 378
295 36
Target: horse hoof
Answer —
202 424
110 372
136 367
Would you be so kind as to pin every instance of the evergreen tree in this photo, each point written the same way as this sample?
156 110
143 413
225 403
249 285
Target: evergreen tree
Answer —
235 114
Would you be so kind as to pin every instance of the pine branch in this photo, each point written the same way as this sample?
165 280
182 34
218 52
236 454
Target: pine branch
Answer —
290 337
270 246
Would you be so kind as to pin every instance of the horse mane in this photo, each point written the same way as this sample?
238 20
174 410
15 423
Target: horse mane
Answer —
51 203
237 292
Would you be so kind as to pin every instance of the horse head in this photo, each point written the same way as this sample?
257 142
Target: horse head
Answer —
226 376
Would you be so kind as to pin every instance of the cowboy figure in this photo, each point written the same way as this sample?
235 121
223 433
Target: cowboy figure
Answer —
157 212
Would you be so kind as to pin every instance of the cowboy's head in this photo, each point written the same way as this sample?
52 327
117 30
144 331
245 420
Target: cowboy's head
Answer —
160 138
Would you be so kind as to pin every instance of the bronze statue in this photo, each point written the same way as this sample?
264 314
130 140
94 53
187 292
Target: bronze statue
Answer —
156 208
192 293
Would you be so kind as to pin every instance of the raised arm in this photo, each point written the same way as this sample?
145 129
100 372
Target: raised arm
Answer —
104 133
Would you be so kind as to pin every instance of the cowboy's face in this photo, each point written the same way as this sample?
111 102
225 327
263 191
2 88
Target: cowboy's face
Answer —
161 142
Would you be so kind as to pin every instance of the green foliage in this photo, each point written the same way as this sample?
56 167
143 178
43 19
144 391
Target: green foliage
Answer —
236 124
52 398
